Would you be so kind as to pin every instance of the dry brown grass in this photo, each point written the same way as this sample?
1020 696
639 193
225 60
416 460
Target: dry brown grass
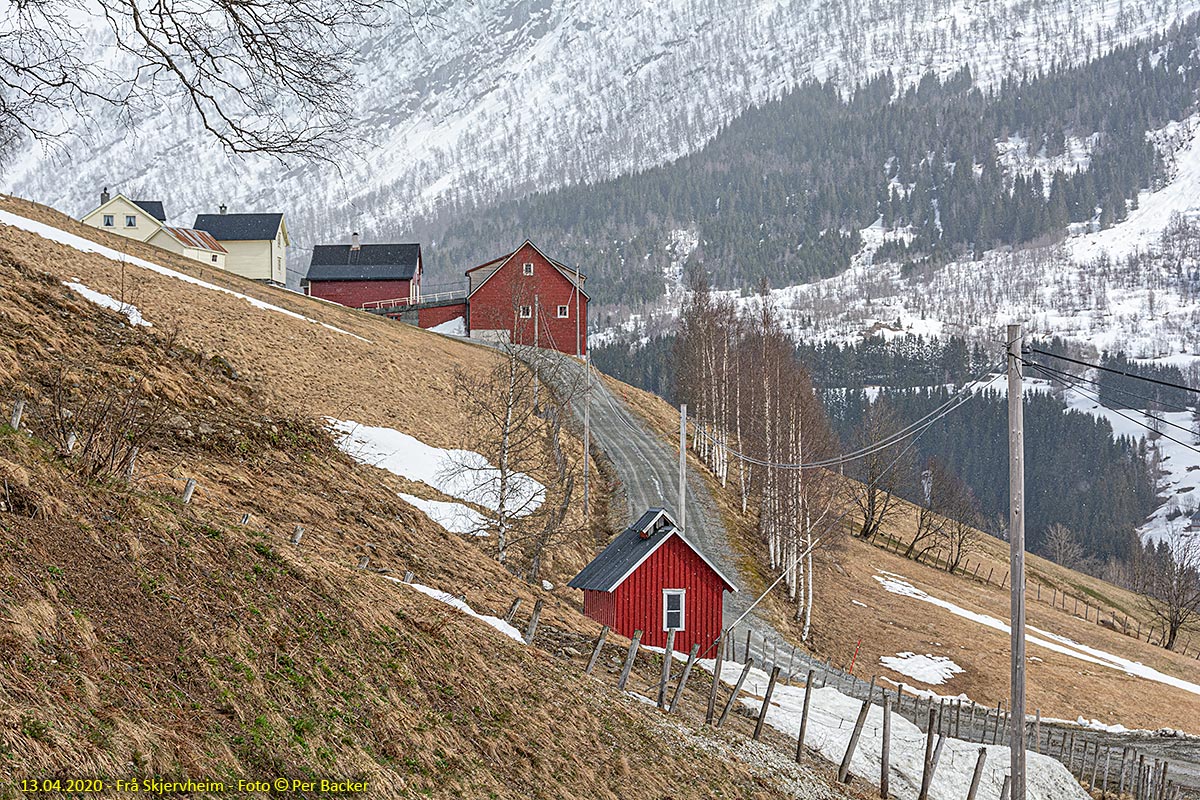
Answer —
142 637
886 624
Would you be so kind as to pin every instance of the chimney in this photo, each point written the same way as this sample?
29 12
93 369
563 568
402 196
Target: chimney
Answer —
354 243
104 198
221 208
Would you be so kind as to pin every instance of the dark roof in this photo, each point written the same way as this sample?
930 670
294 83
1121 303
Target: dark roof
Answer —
624 553
371 262
152 207
239 227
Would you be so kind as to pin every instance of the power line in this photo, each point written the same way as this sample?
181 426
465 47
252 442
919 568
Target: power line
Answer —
891 440
1090 396
1101 390
1168 384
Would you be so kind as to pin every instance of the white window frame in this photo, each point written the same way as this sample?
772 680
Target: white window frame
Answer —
110 221
131 220
527 268
526 312
682 595
564 312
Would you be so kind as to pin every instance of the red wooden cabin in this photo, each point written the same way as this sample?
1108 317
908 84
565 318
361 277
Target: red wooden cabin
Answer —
528 298
651 578
357 274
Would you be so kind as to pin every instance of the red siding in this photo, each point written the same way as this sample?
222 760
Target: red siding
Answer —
436 315
355 293
494 306
638 602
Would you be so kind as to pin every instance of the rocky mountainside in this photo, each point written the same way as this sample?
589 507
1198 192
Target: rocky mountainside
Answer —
469 103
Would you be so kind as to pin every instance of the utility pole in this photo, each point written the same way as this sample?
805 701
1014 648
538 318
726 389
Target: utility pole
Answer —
1016 538
537 360
578 322
682 466
587 428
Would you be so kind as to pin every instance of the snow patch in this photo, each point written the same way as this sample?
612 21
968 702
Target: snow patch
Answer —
451 327
928 669
454 602
130 311
464 474
454 517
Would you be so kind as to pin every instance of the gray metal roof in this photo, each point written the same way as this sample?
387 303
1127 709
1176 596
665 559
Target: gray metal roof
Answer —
624 553
239 227
152 207
371 262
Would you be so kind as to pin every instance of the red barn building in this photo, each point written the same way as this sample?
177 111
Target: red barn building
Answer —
359 275
528 298
651 578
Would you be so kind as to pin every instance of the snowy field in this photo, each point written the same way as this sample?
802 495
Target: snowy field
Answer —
463 474
928 669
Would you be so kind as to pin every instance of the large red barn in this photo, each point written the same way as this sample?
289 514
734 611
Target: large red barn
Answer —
653 579
526 297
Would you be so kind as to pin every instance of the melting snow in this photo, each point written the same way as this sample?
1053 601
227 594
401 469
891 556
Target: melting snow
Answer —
452 327
928 669
831 721
1051 641
451 600
130 311
459 473
88 246
454 517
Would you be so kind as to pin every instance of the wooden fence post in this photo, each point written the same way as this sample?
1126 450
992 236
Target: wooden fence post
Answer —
885 752
297 535
188 489
977 775
18 410
245 520
736 689
808 688
746 655
1006 787
130 463
926 771
683 679
762 715
591 665
665 677
844 769
1037 737
533 621
629 657
717 666
512 610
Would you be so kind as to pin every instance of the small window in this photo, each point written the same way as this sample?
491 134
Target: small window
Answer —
673 611
528 268
564 312
526 312
131 220
109 222
214 258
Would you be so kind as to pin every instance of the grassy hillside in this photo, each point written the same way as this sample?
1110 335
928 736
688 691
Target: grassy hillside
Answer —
141 637
853 612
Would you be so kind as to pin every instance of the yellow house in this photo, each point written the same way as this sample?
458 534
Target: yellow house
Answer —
191 243
255 244
135 219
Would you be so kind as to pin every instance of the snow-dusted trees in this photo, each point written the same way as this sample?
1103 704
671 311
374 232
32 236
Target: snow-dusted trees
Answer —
756 415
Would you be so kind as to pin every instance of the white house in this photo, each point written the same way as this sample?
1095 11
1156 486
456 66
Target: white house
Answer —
134 219
256 244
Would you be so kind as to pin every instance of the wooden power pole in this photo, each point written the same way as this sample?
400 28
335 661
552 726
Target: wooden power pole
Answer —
1016 537
587 428
682 467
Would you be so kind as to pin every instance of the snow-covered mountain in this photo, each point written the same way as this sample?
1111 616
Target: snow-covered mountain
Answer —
477 101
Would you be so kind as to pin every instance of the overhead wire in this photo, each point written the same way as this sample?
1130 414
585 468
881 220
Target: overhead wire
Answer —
960 397
1090 396
1102 390
1156 381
